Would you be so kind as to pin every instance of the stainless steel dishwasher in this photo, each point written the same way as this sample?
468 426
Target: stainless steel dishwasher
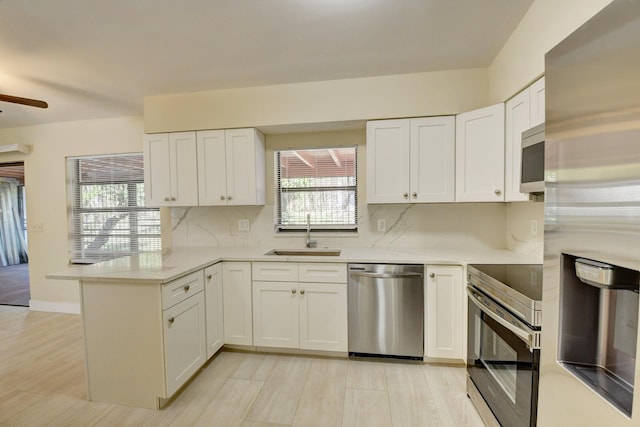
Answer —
386 310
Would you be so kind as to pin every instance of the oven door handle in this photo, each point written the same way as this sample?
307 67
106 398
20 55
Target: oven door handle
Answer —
525 336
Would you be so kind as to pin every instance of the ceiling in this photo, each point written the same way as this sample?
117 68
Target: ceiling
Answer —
94 59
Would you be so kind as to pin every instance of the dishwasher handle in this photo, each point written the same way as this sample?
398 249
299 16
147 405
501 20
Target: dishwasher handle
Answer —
384 275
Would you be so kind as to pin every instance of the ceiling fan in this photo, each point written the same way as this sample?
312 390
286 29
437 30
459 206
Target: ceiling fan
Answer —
24 101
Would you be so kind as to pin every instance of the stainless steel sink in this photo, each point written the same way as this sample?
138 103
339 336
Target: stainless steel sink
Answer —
305 252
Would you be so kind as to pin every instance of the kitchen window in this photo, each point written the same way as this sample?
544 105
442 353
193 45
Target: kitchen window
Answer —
319 183
107 215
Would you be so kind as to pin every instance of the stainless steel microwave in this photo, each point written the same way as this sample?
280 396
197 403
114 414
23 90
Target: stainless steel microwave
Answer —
532 160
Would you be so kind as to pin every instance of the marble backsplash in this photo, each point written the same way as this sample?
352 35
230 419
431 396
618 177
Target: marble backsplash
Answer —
467 225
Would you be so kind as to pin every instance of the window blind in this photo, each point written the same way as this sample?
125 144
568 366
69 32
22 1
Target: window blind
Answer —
107 215
319 182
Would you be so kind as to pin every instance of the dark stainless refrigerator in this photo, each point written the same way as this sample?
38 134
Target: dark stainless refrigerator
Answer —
589 356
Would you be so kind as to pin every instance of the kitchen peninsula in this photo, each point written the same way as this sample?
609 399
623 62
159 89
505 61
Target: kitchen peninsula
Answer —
151 321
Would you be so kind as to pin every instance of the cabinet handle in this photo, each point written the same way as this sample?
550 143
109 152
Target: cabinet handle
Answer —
171 320
166 199
229 197
415 195
186 288
209 276
405 195
173 199
222 197
293 291
498 192
301 291
432 275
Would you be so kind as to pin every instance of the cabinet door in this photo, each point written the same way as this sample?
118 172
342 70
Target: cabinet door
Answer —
536 91
432 159
212 175
244 166
184 341
236 293
184 169
480 155
157 164
517 116
388 161
444 312
214 308
275 314
323 316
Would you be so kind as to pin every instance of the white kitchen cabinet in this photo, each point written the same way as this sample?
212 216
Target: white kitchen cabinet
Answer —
480 155
143 340
522 112
236 290
537 96
170 169
411 160
214 308
444 312
231 167
275 314
305 308
323 316
184 340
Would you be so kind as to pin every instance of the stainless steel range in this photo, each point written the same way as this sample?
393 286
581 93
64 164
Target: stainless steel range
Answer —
503 360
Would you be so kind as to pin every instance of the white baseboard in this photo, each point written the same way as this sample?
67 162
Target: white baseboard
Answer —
54 307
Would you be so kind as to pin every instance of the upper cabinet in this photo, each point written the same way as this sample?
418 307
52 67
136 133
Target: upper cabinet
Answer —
480 155
231 167
523 111
170 169
206 168
411 160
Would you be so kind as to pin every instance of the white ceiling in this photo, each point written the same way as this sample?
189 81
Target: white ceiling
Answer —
92 59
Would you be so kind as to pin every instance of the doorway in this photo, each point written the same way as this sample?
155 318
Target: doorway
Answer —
14 259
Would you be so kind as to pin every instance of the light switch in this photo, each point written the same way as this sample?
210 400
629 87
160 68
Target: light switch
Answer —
382 225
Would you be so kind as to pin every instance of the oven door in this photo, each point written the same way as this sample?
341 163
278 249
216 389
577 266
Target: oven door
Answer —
503 367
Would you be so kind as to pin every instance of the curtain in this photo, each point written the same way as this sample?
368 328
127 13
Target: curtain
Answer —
13 244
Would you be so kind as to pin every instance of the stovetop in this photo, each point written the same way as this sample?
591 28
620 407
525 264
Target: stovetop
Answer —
523 278
517 287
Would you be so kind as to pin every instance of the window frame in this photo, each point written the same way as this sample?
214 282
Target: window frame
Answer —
280 228
79 254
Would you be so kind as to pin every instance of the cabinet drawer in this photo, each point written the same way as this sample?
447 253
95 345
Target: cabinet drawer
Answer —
182 288
323 272
275 271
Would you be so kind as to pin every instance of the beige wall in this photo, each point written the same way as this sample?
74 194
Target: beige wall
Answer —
521 60
45 181
407 95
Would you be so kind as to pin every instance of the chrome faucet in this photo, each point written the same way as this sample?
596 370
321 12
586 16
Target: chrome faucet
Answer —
310 243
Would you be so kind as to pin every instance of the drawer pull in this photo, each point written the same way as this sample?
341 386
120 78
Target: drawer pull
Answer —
432 275
171 320
186 288
301 291
293 291
209 276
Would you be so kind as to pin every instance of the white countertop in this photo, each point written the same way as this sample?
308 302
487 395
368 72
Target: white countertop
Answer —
156 267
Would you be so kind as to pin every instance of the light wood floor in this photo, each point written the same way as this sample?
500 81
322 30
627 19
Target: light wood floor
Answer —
42 383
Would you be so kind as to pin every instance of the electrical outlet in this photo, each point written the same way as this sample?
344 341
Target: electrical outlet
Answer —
534 228
382 225
243 225
37 228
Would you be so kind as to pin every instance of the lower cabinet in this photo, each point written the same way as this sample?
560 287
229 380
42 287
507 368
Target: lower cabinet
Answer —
214 308
143 341
292 312
444 312
184 341
236 290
